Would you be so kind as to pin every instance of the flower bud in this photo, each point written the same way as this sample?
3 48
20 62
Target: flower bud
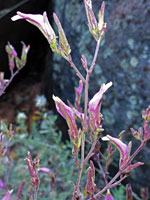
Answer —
62 37
109 196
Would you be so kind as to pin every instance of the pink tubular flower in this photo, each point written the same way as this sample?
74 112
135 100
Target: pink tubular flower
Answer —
40 21
7 195
122 147
95 105
109 196
67 113
45 170
124 150
1 183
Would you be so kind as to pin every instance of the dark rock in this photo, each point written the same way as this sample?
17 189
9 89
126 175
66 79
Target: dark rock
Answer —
124 59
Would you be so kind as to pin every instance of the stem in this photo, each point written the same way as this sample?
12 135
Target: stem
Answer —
95 55
137 151
102 170
10 80
85 81
118 182
75 68
35 194
108 185
90 152
79 178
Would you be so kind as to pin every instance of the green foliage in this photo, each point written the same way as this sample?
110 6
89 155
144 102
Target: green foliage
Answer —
119 193
45 143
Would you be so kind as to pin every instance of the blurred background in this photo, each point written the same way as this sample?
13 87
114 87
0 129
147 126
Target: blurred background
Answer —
124 59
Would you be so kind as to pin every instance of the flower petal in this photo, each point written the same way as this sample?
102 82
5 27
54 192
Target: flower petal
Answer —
95 102
40 21
7 196
45 170
109 196
94 106
1 183
122 147
67 113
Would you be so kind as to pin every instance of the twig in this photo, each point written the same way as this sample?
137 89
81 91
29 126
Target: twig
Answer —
75 68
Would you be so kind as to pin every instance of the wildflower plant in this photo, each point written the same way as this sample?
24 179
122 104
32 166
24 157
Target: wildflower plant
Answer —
13 60
91 119
6 132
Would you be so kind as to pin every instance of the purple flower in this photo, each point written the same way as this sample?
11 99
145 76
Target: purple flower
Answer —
67 113
124 150
122 147
40 21
1 183
95 105
7 196
45 170
109 196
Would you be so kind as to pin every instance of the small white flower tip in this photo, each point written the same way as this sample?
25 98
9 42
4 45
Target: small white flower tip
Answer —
16 17
56 99
11 191
105 138
108 85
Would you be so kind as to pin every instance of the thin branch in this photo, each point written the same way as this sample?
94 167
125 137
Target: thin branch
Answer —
75 68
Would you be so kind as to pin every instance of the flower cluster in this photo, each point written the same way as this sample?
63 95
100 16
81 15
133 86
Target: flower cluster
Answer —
13 59
94 121
42 22
33 167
